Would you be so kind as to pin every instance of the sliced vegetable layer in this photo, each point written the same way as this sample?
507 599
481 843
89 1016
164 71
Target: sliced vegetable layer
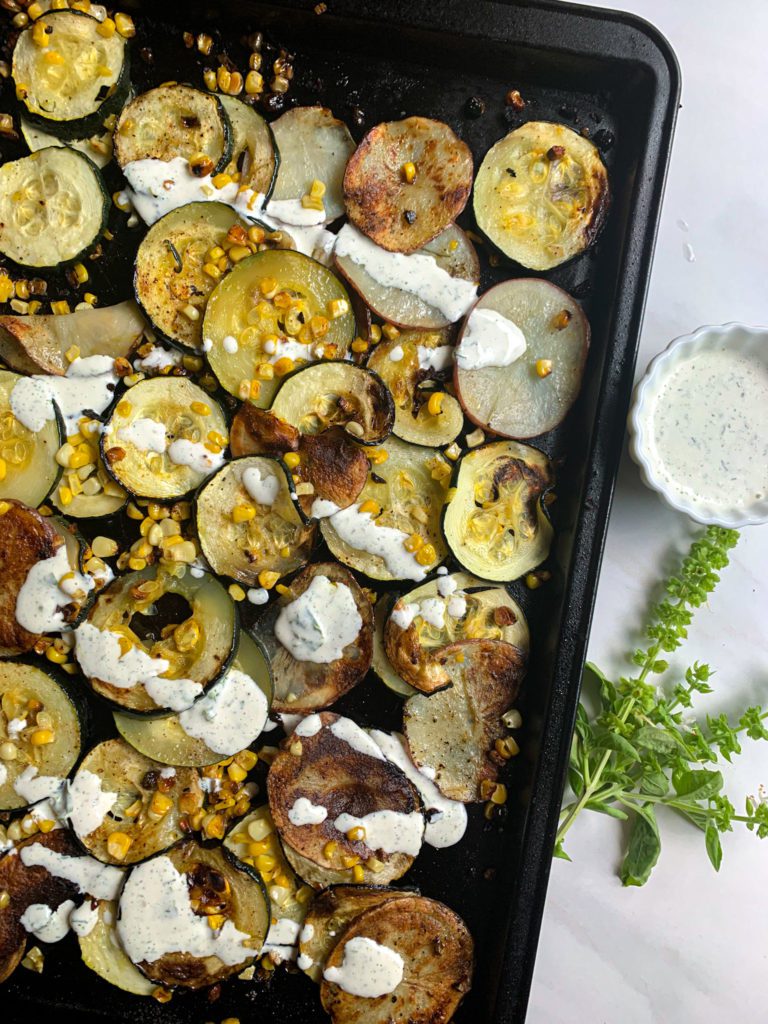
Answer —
254 153
101 950
97 146
380 663
27 459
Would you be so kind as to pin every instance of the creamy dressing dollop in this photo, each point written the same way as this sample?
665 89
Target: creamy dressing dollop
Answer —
44 594
102 881
489 339
360 530
319 623
230 716
88 386
368 969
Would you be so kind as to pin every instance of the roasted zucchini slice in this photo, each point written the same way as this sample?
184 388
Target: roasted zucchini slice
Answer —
412 980
275 309
337 394
415 366
380 663
164 438
314 146
331 911
126 807
97 146
445 610
329 781
231 716
29 459
427 290
53 208
69 76
39 343
174 121
26 886
541 194
102 952
451 735
407 490
30 701
247 522
169 277
193 916
400 214
495 523
154 640
533 393
254 154
319 638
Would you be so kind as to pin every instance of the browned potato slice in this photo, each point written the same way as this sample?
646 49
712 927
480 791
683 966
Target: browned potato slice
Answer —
28 885
454 732
399 215
330 913
26 538
437 953
340 769
302 686
258 432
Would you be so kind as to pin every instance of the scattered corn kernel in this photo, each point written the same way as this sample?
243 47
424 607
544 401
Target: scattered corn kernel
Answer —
268 578
409 172
426 554
371 507
544 367
243 513
125 26
236 592
435 403
118 844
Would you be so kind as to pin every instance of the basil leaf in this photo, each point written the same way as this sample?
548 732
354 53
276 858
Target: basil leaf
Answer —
608 693
643 850
714 848
615 741
699 784
654 783
658 740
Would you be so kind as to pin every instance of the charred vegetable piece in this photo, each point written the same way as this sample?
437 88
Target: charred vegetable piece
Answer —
208 890
452 251
380 663
34 707
254 153
407 181
541 194
166 739
102 952
248 524
145 815
331 911
29 459
451 608
415 367
314 146
495 523
341 773
275 310
306 685
164 438
454 732
97 146
435 949
534 393
258 432
337 394
28 885
174 121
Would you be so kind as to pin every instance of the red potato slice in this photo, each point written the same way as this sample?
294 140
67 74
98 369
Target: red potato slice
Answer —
516 400
399 215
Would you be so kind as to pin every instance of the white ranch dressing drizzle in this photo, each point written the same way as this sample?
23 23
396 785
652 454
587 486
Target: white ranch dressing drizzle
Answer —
33 787
89 384
230 345
456 606
368 969
84 918
359 530
439 358
230 716
418 273
322 508
102 881
263 488
351 733
446 819
87 802
390 831
195 455
319 623
403 614
146 434
281 939
257 595
3 775
432 611
310 726
396 354
156 918
446 586
158 358
41 600
45 923
489 339
304 812
708 434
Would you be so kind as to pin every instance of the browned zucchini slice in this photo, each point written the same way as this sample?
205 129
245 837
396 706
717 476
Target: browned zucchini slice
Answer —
432 944
308 623
452 733
495 523
442 612
533 394
31 470
424 297
337 394
23 688
254 154
118 792
191 884
330 769
399 215
102 952
154 641
331 911
247 521
414 366
28 885
258 432
541 194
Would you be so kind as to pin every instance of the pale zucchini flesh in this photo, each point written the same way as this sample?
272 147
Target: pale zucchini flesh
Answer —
97 146
254 153
103 953
31 470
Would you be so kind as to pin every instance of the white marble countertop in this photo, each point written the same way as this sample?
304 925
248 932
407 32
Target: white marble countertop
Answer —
691 945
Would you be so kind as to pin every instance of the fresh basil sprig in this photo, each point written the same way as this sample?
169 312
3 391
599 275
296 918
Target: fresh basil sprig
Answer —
639 752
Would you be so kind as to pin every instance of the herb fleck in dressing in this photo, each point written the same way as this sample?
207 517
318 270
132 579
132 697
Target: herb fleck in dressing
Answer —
709 429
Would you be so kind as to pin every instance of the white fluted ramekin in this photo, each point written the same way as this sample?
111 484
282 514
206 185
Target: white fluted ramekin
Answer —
743 340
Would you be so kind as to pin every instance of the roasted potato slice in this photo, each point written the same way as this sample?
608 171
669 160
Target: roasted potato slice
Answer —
380 663
541 194
453 733
398 214
26 538
436 952
258 432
